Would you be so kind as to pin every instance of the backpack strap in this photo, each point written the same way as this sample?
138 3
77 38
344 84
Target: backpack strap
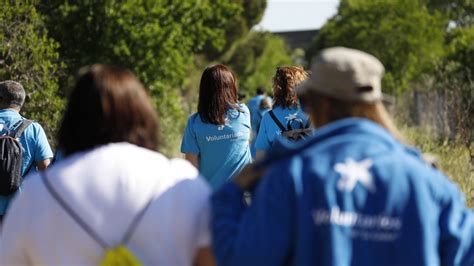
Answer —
128 234
71 212
23 124
277 122
134 224
19 128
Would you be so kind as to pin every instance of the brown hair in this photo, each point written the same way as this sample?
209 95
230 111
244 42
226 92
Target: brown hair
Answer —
108 104
284 83
217 94
324 110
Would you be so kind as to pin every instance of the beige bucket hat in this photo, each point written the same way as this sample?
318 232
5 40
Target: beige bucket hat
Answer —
346 74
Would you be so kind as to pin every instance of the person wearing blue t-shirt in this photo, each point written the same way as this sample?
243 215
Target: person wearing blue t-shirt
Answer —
216 139
352 194
258 106
34 143
254 107
285 108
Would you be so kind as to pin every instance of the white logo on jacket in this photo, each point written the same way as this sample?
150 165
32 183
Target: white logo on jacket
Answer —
353 172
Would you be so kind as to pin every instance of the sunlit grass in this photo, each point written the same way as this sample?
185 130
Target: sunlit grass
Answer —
453 158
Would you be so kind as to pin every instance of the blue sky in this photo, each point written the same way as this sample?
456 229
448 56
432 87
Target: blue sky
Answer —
288 15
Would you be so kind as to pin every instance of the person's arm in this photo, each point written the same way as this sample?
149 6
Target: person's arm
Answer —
204 257
456 227
189 144
260 154
260 234
43 152
41 165
192 158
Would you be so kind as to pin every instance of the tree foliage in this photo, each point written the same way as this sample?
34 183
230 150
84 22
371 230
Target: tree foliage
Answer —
405 35
249 13
29 56
461 12
255 58
157 39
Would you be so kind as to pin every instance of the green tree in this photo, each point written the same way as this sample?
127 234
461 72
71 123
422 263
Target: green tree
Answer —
29 56
249 13
255 58
405 35
157 39
460 12
253 11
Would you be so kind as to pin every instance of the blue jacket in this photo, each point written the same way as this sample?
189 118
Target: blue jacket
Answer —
350 195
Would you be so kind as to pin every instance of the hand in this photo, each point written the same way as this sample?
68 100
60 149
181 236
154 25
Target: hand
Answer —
248 176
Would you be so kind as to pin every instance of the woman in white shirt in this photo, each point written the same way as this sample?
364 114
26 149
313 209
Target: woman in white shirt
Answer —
111 189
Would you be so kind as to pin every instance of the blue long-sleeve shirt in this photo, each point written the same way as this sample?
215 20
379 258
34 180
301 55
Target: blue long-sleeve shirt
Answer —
351 195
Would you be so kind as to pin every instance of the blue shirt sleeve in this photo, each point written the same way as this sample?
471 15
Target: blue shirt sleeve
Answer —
189 143
245 109
456 227
42 150
260 234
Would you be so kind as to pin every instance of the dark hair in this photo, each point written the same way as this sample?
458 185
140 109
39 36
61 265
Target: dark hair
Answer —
265 104
108 104
12 93
217 94
260 90
284 82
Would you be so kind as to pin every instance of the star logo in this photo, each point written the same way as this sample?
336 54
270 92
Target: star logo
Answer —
291 116
353 172
226 124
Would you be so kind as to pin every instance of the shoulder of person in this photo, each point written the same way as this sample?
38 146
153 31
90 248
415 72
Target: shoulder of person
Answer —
266 115
194 118
278 110
34 130
36 125
184 171
243 107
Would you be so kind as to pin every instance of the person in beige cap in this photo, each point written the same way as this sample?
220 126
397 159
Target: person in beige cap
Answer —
350 195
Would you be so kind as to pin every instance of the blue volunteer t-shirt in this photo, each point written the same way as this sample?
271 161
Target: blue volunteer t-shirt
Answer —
34 144
269 131
223 150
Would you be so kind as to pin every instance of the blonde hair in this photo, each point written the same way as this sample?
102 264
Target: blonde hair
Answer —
284 83
324 110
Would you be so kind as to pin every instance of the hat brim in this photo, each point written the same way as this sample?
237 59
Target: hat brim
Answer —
306 85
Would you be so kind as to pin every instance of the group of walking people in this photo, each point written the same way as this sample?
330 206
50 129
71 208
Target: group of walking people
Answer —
350 194
225 135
